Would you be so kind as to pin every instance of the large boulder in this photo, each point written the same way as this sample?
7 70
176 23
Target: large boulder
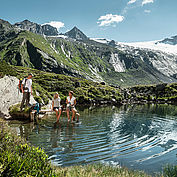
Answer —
9 94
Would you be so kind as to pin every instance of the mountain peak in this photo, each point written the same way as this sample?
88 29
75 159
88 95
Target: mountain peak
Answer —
77 34
75 28
26 21
47 29
5 25
171 41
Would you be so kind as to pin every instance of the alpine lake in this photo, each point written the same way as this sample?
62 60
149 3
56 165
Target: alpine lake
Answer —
140 137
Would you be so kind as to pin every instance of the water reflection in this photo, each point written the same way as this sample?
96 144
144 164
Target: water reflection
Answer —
140 137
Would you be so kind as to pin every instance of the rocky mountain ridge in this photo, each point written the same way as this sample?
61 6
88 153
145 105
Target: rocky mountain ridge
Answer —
46 29
171 41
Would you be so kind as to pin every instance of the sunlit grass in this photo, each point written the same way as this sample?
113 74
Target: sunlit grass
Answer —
170 171
97 170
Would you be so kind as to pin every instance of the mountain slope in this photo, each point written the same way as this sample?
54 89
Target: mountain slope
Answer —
115 64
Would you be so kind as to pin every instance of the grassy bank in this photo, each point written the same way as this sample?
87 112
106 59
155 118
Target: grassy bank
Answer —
45 84
98 170
19 158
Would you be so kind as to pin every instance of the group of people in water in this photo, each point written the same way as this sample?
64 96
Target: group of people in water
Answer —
70 106
25 86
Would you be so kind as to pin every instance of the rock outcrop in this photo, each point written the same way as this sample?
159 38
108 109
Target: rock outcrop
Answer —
171 41
9 94
75 33
46 29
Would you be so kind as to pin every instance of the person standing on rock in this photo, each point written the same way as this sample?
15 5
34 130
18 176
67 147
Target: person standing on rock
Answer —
26 88
71 102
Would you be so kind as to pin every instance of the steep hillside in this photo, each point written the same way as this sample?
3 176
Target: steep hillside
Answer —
81 57
45 84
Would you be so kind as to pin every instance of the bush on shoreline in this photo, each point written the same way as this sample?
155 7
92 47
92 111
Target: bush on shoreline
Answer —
170 171
18 158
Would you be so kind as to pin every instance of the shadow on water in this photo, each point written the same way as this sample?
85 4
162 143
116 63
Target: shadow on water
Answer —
140 137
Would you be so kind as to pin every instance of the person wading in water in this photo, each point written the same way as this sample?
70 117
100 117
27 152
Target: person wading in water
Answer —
26 88
71 102
56 106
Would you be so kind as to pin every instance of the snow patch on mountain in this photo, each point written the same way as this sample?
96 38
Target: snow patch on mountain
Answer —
153 45
53 47
101 40
116 63
60 36
161 56
63 50
95 71
166 63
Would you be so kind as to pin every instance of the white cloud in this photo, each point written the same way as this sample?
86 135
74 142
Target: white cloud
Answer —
147 2
110 19
131 1
55 24
147 11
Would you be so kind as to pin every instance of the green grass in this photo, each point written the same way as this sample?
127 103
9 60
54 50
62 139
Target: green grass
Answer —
18 158
162 92
16 109
46 84
97 170
170 171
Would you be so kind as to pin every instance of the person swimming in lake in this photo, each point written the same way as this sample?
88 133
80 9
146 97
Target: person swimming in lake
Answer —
56 105
70 102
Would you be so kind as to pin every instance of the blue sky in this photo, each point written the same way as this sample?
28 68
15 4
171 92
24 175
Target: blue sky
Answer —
121 20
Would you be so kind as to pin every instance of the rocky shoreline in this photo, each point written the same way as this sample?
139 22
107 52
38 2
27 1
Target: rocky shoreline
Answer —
151 94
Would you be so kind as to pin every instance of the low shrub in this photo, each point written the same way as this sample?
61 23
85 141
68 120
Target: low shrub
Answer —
170 171
17 158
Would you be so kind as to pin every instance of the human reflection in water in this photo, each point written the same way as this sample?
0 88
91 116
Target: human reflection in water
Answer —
24 131
56 134
62 135
69 134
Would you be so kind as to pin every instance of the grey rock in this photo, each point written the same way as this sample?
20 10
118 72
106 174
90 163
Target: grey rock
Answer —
47 30
171 41
9 94
75 33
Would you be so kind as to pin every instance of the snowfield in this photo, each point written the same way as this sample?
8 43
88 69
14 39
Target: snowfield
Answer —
153 45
